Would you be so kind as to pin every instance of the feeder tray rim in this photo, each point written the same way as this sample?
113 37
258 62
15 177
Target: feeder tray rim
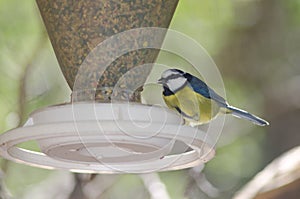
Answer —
48 136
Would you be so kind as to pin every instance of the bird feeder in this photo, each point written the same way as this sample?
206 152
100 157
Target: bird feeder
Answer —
105 49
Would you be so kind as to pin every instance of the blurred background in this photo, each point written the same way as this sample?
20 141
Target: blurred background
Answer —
256 46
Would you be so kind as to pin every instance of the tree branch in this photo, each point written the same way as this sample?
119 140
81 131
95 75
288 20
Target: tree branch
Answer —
155 186
282 171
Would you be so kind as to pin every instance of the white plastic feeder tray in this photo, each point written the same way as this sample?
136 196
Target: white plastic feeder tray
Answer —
107 138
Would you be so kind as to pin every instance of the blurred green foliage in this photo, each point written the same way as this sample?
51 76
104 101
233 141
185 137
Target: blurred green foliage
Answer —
21 33
255 44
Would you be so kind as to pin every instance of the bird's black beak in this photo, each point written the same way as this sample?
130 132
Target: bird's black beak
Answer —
161 81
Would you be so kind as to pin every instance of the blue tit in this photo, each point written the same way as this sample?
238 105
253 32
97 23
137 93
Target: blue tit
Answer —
195 101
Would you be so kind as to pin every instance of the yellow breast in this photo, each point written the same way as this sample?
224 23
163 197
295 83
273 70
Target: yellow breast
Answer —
195 108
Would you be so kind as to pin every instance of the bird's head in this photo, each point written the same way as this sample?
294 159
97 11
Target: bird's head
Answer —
173 79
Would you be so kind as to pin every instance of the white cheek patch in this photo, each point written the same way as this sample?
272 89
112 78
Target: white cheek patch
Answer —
176 84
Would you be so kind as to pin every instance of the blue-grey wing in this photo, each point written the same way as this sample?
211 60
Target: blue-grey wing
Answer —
201 87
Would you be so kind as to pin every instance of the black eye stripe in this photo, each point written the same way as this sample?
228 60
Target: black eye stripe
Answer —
177 71
173 76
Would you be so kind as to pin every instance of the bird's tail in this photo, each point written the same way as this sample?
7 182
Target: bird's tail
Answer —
245 115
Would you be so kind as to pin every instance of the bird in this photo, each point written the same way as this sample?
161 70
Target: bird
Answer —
195 101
